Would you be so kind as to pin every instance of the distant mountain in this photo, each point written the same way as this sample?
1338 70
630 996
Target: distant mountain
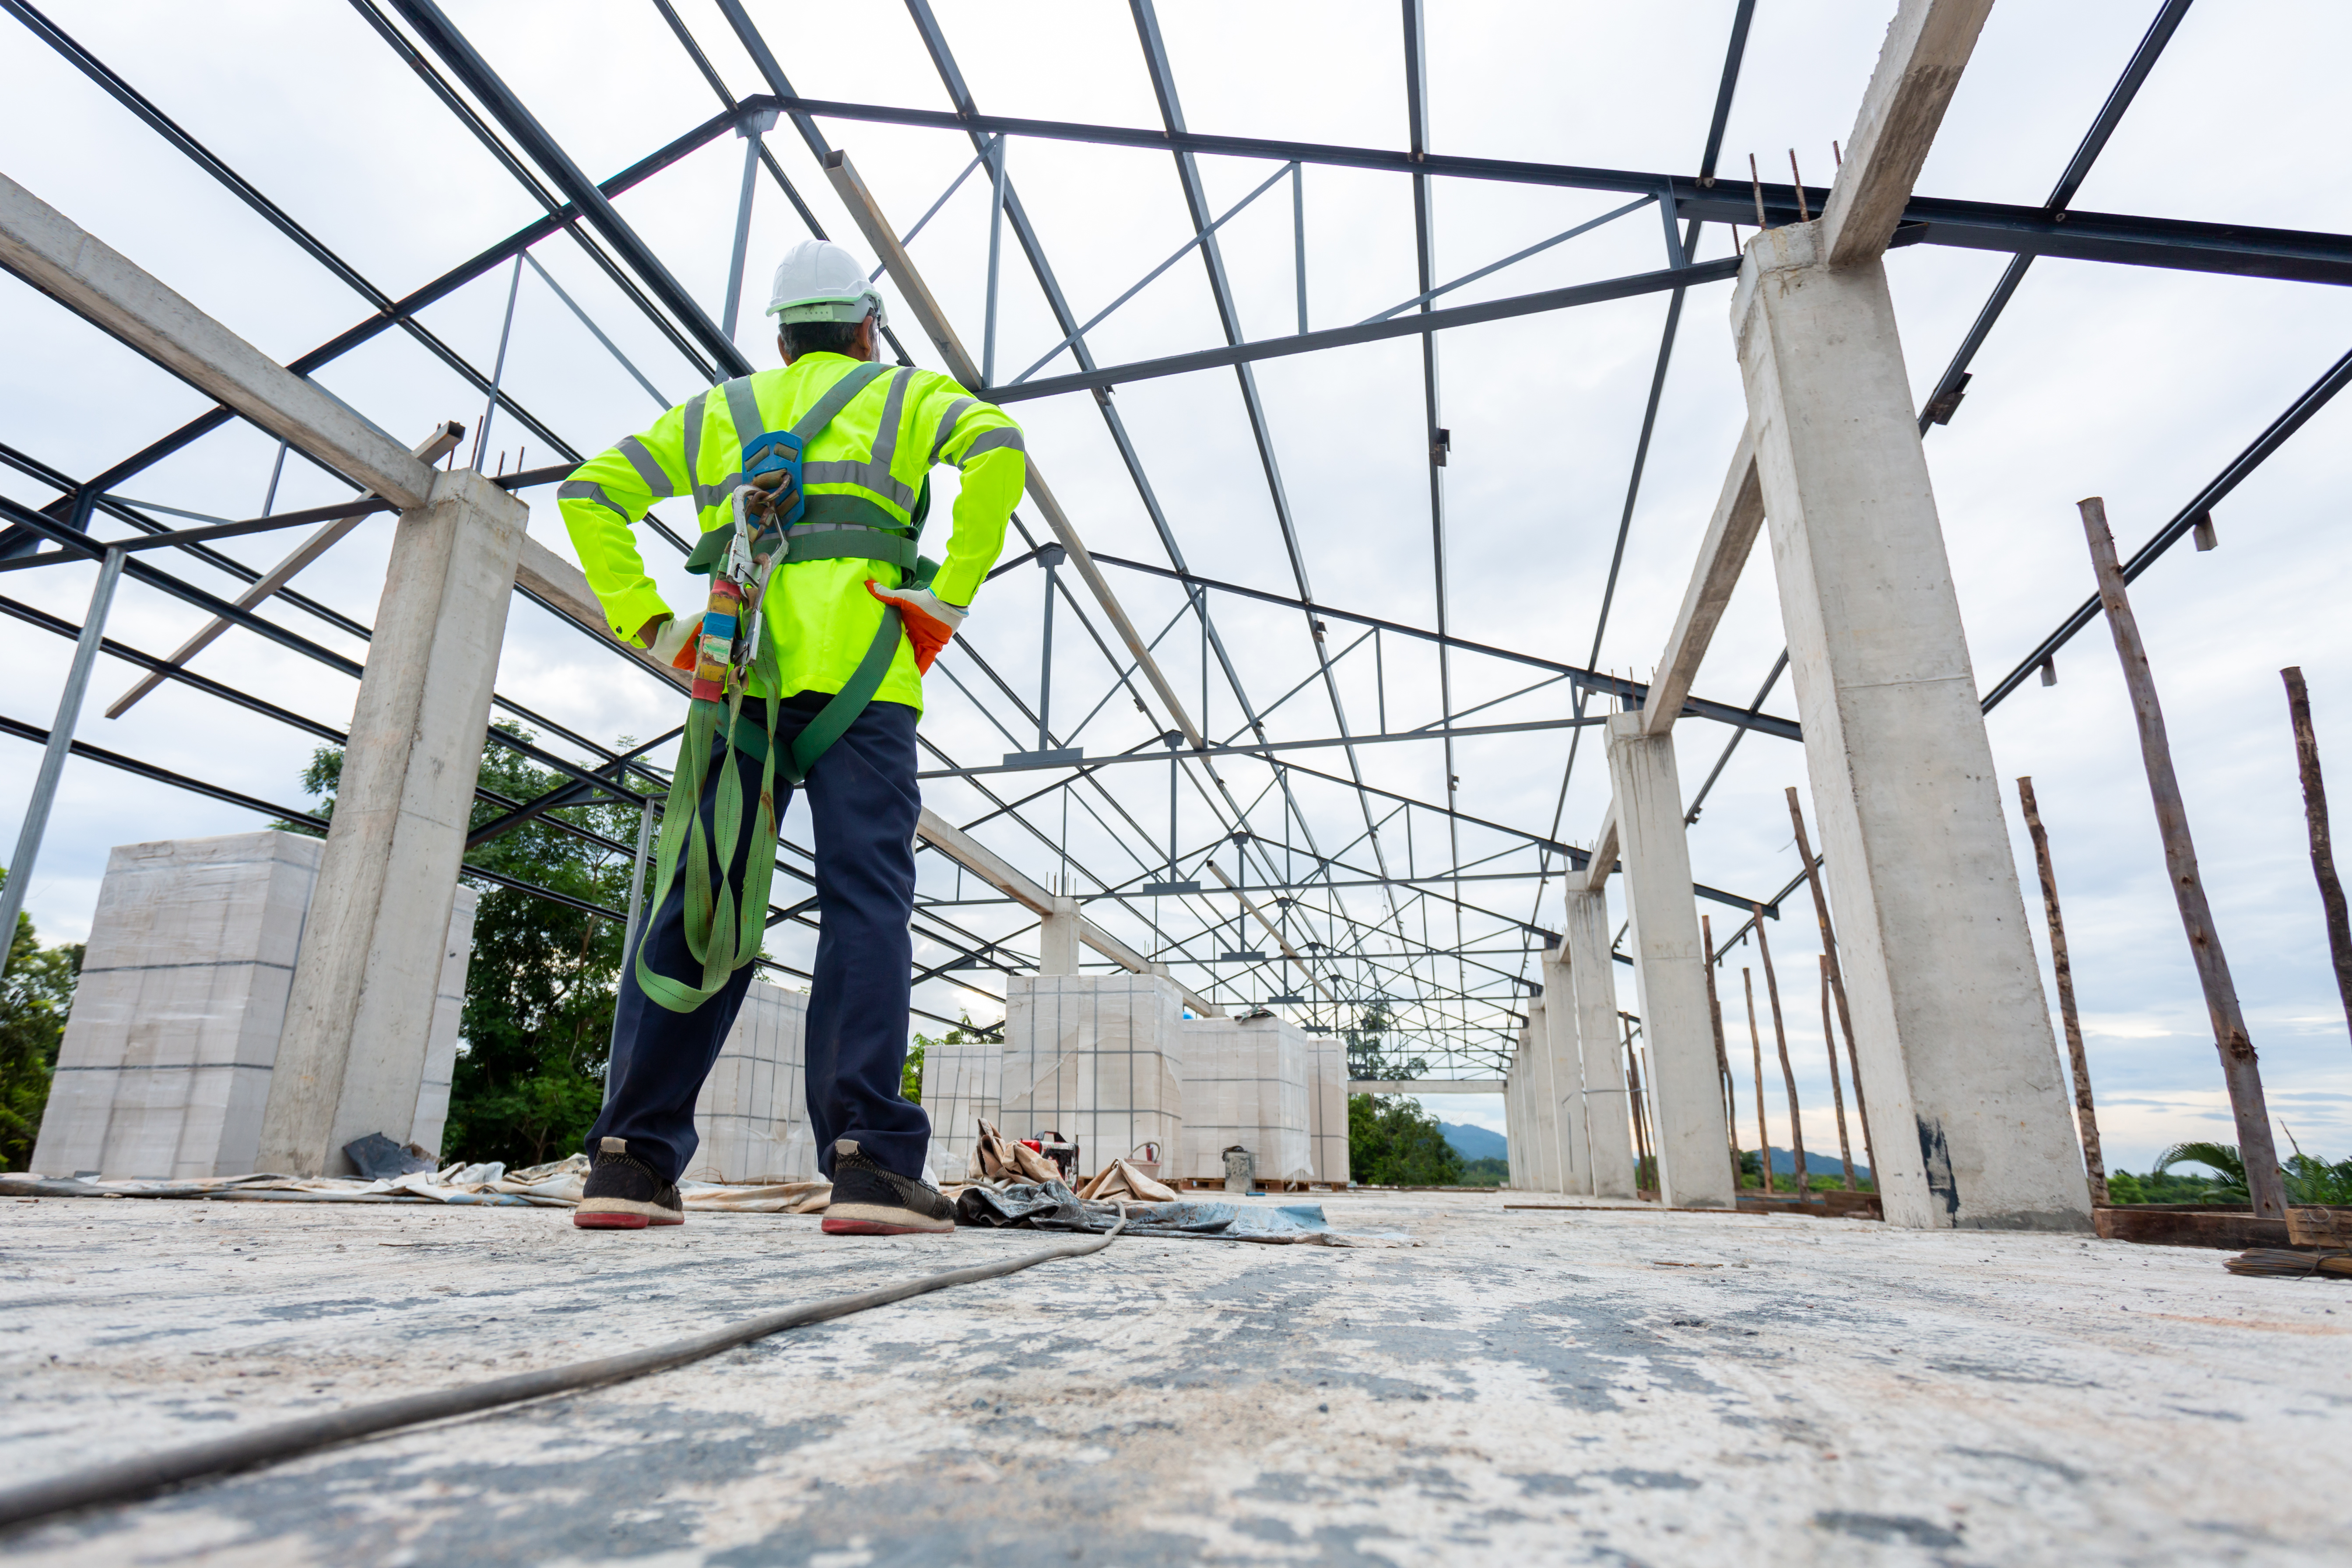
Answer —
1481 1144
1474 1142
1784 1164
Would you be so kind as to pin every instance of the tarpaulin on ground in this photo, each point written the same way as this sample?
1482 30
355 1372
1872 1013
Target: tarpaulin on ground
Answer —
1052 1205
556 1184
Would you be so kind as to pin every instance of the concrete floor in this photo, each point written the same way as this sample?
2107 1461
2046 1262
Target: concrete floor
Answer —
1522 1386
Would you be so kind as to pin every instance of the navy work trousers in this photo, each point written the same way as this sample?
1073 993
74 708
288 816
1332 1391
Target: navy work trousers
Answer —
862 798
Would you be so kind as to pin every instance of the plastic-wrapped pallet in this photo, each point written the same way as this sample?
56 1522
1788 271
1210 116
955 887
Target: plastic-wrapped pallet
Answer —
753 1110
1100 1058
1326 1106
165 1068
1245 1083
962 1086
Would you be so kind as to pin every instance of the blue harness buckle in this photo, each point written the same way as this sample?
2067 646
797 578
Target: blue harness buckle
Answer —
777 452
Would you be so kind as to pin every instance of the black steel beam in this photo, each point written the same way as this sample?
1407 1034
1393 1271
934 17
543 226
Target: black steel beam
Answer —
1264 747
2315 398
2238 248
366 331
1634 691
1407 326
1945 398
441 37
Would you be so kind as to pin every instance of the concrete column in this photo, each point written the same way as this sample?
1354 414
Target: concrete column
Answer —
1608 1119
1057 938
1543 1109
1515 1130
1966 1093
357 1021
1668 968
1567 1075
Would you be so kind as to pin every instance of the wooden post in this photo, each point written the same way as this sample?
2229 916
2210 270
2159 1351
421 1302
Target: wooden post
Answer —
1755 1042
1837 1095
1780 1040
2240 1069
1837 978
1641 1126
1722 1057
2323 850
2086 1115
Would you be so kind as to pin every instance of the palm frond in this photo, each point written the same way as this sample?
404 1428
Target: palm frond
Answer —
2220 1157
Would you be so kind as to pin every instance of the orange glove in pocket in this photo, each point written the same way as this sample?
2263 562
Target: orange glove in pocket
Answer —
930 620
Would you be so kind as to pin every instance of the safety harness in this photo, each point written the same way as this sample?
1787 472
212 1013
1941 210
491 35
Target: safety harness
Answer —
775 523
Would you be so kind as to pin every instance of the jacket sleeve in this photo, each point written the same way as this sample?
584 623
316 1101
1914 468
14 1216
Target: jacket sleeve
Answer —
608 494
982 440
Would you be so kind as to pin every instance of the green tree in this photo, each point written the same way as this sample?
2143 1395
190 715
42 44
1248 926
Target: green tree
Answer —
910 1080
1397 1144
36 994
2308 1180
1487 1173
1369 1058
540 987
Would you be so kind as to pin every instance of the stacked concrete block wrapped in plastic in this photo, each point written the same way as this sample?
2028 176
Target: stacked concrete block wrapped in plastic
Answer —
1246 1084
1100 1058
963 1083
753 1112
1326 1106
164 1068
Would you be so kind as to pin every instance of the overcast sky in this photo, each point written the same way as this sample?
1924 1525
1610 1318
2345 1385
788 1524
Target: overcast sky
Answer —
2135 385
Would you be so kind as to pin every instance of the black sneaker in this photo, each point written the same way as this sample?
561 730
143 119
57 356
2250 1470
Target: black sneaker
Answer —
870 1201
624 1194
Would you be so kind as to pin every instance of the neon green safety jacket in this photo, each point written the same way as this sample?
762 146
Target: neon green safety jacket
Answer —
879 448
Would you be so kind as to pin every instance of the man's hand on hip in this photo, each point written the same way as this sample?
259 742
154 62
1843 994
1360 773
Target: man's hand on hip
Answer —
930 620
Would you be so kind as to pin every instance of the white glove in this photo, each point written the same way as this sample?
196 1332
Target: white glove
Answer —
674 643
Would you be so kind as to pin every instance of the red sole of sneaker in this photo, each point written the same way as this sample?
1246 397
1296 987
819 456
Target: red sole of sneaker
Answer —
617 1221
874 1228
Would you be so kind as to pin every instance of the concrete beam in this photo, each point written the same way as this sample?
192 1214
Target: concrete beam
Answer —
434 447
105 287
867 214
1669 970
1595 874
359 1015
1273 931
1723 553
1928 45
1426 1086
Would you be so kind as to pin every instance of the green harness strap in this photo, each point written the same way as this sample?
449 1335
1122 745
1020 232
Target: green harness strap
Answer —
724 933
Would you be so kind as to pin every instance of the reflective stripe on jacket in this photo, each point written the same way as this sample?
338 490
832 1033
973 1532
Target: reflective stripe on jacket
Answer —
820 618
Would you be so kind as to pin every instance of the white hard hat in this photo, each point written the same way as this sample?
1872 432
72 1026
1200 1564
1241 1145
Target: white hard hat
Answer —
820 281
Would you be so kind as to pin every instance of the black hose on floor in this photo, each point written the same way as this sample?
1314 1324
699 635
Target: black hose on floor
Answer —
127 1480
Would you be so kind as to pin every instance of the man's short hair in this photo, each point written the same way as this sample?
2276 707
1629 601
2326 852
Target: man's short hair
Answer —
817 337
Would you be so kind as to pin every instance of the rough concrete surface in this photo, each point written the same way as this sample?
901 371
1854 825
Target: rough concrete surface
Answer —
1572 1386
